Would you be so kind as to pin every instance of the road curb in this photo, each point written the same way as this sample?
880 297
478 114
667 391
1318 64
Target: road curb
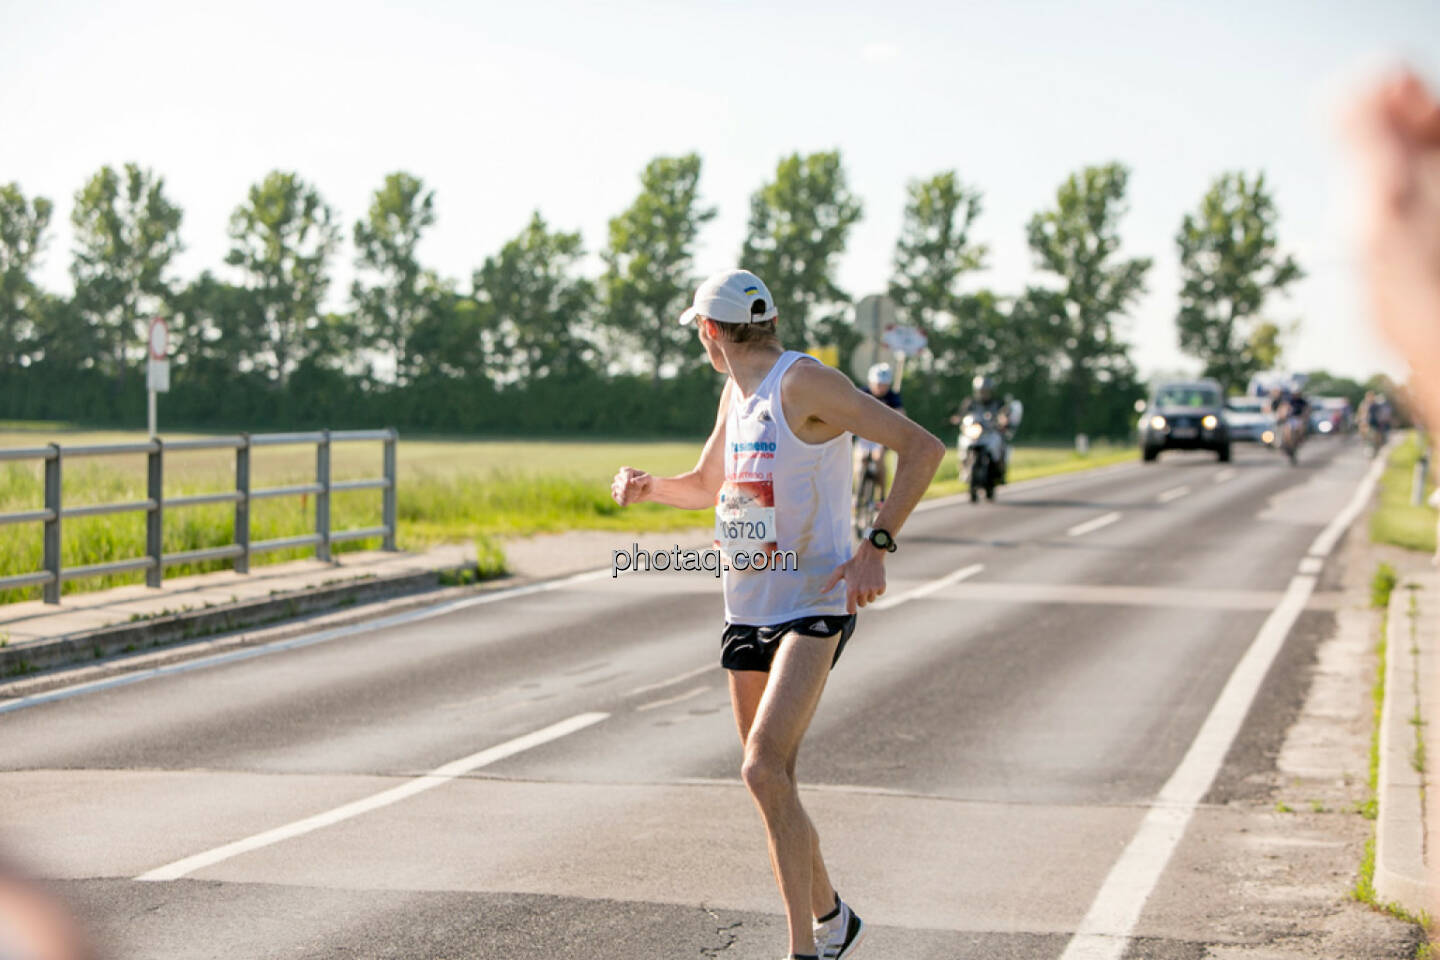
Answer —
1401 874
177 629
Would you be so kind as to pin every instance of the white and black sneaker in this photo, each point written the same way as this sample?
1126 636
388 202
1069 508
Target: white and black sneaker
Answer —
839 934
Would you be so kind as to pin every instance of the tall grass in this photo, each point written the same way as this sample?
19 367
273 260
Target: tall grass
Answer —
448 491
1394 519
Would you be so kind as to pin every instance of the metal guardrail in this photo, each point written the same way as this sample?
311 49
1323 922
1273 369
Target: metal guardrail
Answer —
154 506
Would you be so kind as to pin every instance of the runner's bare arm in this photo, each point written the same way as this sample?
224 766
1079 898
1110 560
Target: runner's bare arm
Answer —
821 403
689 491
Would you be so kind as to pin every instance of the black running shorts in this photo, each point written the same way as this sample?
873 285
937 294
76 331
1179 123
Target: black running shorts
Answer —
745 647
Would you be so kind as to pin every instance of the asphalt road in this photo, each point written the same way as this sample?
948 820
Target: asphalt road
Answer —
983 754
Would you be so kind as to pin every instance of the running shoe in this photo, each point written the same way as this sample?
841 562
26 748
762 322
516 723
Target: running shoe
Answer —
839 938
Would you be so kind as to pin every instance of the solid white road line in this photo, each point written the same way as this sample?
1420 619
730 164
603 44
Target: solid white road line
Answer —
1328 537
1227 474
294 643
679 697
410 788
964 573
1105 932
687 675
1173 494
1090 526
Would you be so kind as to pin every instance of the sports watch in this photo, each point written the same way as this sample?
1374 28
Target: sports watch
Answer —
880 539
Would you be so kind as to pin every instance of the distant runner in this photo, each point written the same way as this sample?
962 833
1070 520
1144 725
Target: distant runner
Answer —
776 471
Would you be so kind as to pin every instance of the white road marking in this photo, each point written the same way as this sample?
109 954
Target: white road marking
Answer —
964 573
687 675
1090 526
294 643
1027 486
1173 494
1328 537
428 781
1104 933
1227 474
679 697
1312 565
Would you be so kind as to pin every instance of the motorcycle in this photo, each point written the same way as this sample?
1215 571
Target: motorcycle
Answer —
1289 433
981 450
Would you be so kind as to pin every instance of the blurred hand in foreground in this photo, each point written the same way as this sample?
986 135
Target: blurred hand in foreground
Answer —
1395 129
35 926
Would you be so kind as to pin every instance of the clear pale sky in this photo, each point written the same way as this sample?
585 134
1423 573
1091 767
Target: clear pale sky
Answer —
507 107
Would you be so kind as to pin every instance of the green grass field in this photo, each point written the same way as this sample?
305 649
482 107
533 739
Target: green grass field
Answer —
1395 521
449 490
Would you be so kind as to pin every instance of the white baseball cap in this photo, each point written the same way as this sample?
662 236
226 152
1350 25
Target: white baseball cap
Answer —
732 296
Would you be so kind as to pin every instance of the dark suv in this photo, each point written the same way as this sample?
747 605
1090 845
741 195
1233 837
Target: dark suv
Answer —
1185 415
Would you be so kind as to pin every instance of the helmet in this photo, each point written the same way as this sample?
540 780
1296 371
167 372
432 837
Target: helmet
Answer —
880 373
983 386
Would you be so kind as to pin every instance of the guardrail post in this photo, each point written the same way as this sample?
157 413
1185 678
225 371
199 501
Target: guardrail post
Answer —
242 506
389 500
52 526
155 519
322 499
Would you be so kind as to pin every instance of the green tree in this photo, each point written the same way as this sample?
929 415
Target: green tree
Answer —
1263 348
649 260
535 304
126 233
1078 243
22 237
932 256
935 250
797 230
449 342
393 293
281 239
1230 263
217 328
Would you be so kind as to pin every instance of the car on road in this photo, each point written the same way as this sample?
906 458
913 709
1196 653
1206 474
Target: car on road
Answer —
1248 419
1185 415
1331 416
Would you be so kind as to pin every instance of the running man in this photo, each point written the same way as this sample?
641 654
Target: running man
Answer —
776 471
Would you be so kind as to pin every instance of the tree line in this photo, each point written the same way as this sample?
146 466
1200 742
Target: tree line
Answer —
531 343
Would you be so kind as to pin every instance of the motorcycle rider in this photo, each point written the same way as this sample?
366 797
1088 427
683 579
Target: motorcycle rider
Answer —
1291 412
878 383
983 404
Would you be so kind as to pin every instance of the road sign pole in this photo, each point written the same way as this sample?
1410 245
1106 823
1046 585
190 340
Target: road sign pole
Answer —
157 367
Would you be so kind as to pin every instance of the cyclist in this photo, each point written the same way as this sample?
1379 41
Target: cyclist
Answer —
774 469
878 382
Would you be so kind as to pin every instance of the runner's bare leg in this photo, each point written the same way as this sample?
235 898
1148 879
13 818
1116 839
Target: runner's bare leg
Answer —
791 693
746 688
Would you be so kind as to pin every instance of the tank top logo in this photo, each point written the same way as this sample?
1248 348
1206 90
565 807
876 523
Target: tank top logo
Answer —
745 504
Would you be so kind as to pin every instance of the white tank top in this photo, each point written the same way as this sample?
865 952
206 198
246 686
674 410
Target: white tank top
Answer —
781 494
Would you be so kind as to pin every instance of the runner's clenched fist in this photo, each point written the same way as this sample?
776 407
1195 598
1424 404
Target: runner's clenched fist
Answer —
630 486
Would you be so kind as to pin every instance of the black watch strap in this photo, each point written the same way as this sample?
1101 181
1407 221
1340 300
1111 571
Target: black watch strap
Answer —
881 539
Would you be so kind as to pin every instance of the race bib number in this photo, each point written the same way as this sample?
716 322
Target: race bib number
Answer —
745 518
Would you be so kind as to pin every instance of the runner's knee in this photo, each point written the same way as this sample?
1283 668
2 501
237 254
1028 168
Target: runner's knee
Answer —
766 772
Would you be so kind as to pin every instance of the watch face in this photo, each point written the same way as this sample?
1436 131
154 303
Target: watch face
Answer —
880 538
